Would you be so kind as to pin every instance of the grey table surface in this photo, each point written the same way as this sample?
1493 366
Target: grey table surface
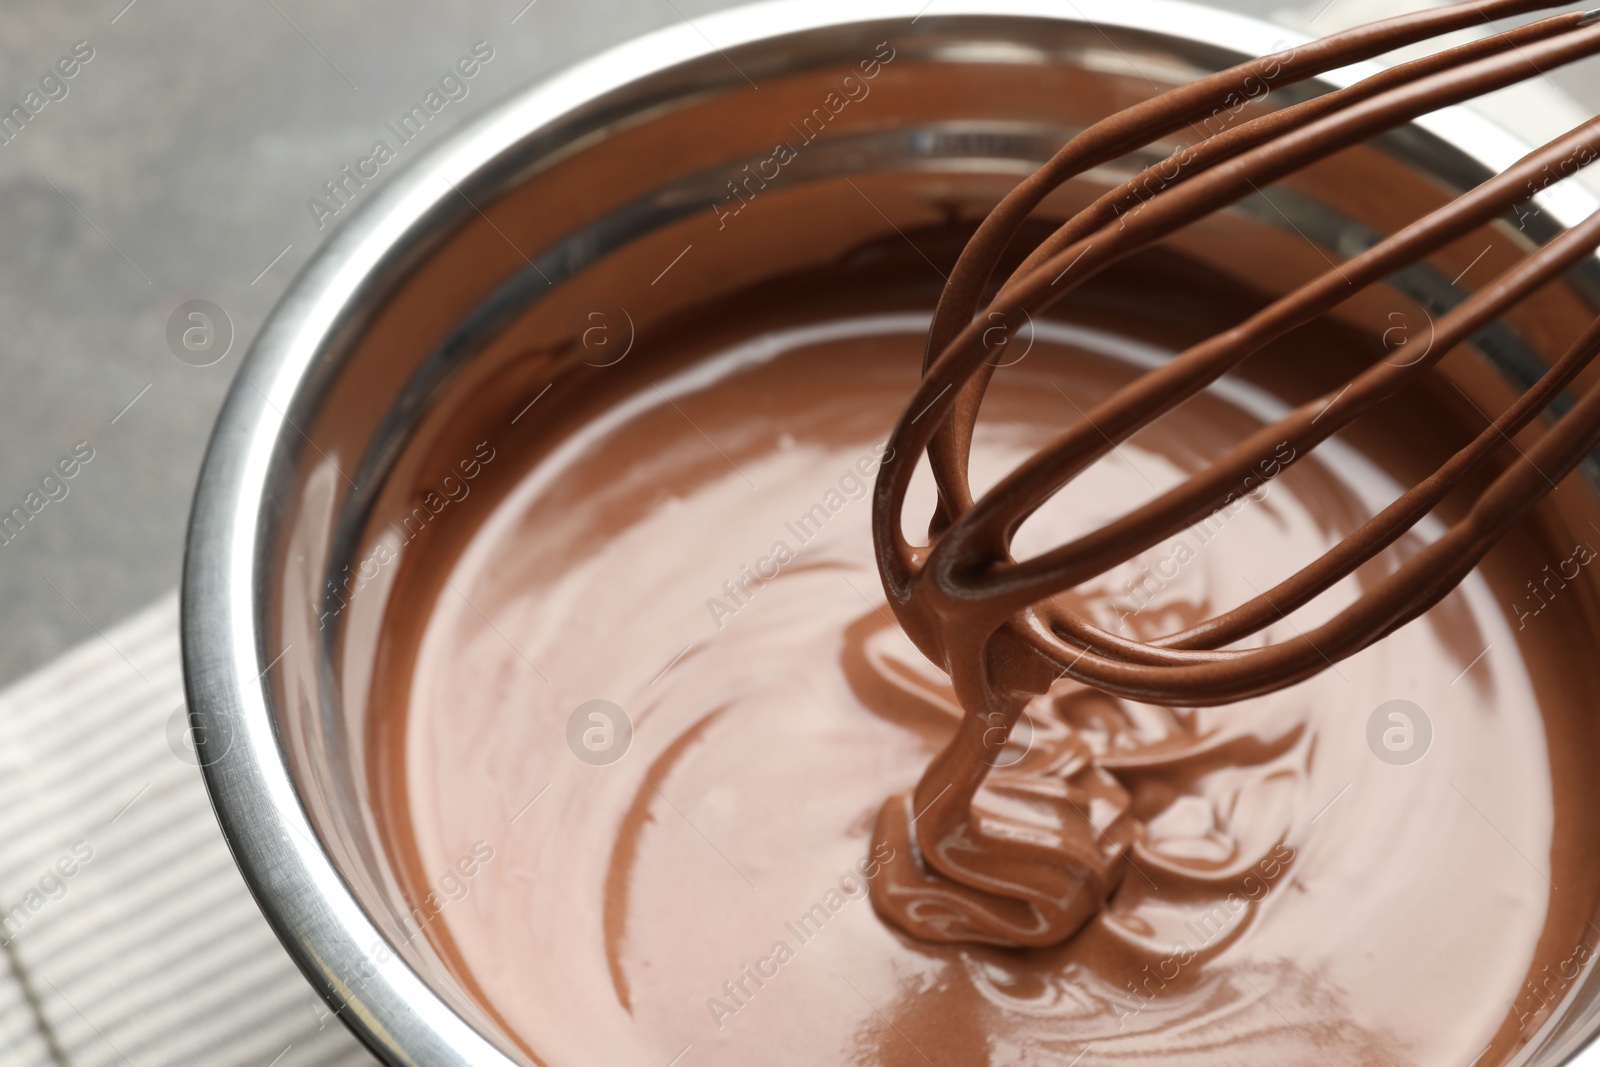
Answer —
177 166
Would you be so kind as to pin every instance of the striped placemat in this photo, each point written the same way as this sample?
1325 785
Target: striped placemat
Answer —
129 939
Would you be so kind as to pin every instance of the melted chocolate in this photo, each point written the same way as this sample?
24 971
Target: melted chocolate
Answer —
1279 883
1086 860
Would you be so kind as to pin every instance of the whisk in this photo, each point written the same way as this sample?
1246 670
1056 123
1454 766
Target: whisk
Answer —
989 618
1026 854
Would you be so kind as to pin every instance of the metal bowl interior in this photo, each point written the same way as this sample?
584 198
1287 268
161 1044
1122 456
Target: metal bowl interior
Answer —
641 184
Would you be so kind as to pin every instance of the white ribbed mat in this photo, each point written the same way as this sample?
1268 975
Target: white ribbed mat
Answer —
151 953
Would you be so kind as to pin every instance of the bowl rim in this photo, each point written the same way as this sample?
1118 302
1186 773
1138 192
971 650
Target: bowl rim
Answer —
293 879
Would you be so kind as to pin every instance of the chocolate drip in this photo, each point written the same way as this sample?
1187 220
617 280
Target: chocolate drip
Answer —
1026 856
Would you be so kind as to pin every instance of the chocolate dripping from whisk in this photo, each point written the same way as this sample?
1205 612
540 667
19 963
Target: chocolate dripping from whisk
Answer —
968 570
966 872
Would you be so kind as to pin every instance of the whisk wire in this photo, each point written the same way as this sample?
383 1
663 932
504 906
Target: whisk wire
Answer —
969 561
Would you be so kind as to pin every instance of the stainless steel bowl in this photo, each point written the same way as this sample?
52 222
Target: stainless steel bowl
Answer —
462 278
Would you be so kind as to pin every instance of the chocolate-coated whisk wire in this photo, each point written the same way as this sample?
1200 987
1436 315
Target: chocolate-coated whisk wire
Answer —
968 561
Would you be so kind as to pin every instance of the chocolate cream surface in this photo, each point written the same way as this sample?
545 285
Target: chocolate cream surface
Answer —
692 545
